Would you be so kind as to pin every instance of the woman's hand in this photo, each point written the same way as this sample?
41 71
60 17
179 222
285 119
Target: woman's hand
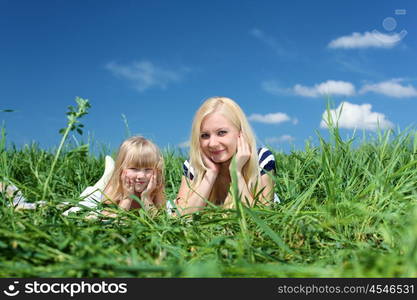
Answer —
242 154
212 167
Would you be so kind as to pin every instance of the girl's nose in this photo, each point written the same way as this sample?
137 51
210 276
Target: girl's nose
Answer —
140 173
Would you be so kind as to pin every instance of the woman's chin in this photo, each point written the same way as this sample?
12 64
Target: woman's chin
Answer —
220 159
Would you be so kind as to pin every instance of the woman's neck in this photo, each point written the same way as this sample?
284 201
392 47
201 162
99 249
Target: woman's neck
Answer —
224 169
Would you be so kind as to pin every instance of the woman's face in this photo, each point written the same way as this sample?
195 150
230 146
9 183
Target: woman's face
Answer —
140 177
218 138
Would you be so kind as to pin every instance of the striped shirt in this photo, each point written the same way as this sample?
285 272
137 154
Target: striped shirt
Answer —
266 163
265 158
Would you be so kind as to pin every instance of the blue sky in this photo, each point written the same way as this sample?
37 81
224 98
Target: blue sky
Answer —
156 61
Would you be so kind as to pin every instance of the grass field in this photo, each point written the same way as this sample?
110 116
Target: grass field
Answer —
346 211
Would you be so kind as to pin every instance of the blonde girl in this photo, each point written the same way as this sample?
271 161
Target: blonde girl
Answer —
219 131
137 172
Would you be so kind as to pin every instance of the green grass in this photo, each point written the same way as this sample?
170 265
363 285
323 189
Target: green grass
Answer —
346 211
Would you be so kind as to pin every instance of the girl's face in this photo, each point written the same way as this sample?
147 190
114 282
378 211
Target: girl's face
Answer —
140 176
218 138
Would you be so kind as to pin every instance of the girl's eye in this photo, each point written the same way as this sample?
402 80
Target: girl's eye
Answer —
222 133
204 136
148 169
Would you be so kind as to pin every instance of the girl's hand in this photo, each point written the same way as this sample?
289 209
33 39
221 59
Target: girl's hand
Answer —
146 194
128 186
243 153
211 166
151 186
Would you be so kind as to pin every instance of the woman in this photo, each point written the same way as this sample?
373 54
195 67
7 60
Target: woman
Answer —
220 130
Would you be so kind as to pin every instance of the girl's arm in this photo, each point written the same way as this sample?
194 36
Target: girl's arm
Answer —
128 190
147 202
125 203
148 196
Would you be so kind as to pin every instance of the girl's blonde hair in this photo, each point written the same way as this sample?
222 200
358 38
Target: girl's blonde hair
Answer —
231 111
137 152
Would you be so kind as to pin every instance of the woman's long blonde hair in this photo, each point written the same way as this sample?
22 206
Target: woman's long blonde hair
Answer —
231 111
137 152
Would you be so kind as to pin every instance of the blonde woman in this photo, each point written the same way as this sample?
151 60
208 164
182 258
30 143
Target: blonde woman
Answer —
138 171
220 130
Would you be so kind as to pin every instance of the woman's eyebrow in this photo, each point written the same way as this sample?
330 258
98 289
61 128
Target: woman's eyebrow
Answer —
217 129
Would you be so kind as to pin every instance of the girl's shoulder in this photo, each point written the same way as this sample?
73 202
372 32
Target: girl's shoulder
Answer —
266 160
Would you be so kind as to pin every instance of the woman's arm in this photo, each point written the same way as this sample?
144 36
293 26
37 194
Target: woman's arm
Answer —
188 200
245 194
267 184
267 195
243 154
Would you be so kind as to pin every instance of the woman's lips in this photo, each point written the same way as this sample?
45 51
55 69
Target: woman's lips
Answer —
217 152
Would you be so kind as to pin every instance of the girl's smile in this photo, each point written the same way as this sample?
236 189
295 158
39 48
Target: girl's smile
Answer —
140 176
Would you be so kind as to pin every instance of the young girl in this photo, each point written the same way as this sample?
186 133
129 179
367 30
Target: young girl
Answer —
220 131
137 172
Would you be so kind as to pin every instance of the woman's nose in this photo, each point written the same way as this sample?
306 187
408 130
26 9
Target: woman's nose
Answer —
213 141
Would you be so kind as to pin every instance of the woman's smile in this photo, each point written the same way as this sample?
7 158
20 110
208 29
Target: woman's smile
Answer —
218 137
217 152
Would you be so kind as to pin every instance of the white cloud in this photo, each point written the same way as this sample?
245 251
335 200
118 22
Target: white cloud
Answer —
273 118
351 116
273 88
185 144
144 74
282 139
271 42
391 88
366 40
330 87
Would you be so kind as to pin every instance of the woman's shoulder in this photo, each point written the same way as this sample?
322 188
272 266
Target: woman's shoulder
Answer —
188 170
266 160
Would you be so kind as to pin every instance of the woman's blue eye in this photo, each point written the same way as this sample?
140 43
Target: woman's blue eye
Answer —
222 132
204 136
